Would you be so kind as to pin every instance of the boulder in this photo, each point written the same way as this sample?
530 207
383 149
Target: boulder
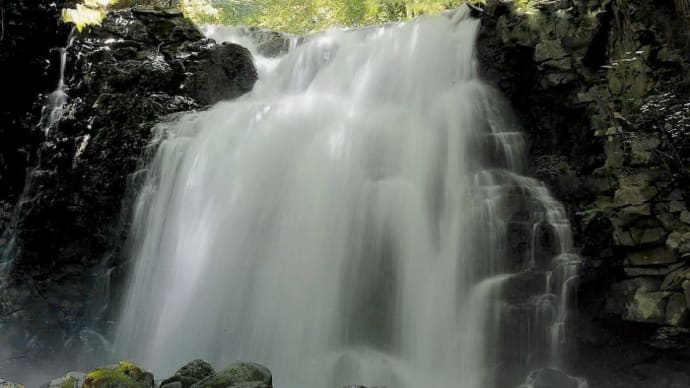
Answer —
190 374
674 280
623 292
652 256
637 236
70 380
122 375
677 312
646 307
685 216
9 384
663 270
239 375
550 378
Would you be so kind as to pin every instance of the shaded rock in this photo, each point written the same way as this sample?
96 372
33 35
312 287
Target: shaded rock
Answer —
241 374
122 375
673 240
652 271
624 291
685 216
190 374
674 280
641 149
677 312
636 236
653 256
647 307
677 206
634 200
208 71
550 378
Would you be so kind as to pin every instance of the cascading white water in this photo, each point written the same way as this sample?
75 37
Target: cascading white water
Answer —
51 113
344 223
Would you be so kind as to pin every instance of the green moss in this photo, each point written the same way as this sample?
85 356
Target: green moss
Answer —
123 375
70 382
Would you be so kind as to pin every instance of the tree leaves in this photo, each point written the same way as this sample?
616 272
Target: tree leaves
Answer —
89 13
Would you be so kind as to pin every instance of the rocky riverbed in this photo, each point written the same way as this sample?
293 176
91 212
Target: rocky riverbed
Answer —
195 374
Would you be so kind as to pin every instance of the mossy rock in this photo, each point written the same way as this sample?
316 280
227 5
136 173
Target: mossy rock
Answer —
7 384
191 373
240 374
123 375
70 380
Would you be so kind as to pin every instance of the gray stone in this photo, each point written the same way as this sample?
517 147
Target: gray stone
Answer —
652 271
173 384
623 291
190 374
677 206
677 313
674 280
673 240
641 149
70 380
685 216
652 256
638 236
550 378
633 195
646 307
237 374
548 50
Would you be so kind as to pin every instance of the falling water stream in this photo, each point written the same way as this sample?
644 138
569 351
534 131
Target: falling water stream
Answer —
347 222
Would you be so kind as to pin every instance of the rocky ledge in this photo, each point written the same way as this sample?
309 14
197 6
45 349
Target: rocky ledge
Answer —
122 77
602 88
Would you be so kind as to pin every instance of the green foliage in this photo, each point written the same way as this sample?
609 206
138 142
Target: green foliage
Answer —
89 13
303 16
296 16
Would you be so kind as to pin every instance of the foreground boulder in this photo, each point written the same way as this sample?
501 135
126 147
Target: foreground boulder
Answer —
189 375
239 375
123 375
70 380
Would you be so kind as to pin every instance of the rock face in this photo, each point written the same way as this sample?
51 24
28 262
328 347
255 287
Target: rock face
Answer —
602 90
122 77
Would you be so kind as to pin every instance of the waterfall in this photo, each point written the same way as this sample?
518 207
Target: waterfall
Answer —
51 113
348 221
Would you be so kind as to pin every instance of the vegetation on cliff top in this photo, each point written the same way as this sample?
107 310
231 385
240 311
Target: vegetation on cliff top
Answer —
296 16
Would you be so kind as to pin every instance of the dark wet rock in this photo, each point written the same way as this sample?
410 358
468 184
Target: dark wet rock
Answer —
239 375
133 71
551 378
190 374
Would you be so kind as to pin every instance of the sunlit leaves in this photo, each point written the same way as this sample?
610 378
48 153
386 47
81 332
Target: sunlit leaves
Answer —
89 13
301 16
